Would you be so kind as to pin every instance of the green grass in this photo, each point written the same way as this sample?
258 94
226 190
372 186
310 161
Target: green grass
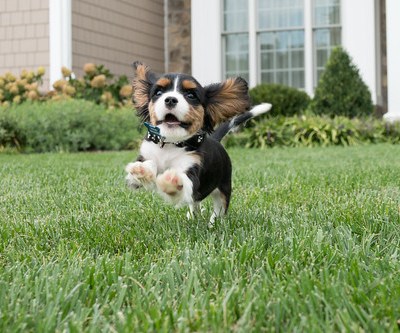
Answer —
311 244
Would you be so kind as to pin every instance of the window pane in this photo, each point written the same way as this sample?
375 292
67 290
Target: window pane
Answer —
267 60
297 59
267 77
322 57
282 78
298 79
326 12
281 54
236 53
282 40
327 38
282 60
324 41
274 14
267 41
297 39
235 15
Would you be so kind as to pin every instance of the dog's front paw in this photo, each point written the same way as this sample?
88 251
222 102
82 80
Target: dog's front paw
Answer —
140 174
170 183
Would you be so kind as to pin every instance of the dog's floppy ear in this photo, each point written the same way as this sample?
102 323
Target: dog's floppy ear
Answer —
142 82
226 100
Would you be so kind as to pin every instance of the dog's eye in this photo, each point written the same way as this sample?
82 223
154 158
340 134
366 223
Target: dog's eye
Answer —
190 95
158 92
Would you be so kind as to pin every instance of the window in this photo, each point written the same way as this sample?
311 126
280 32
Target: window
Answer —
235 39
281 42
290 40
326 21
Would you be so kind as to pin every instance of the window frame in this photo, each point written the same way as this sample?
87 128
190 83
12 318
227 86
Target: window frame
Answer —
253 32
314 29
274 31
224 34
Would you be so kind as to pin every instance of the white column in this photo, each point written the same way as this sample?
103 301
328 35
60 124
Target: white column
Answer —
60 38
206 41
393 59
308 48
358 38
252 44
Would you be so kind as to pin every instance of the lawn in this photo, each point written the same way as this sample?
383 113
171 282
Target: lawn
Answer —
311 243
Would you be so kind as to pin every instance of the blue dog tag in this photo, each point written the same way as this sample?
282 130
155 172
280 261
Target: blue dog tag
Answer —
154 130
154 134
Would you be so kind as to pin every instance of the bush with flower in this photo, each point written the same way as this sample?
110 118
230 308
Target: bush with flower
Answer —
97 85
17 90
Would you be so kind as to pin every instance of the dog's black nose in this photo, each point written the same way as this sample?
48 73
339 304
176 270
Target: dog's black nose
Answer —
171 101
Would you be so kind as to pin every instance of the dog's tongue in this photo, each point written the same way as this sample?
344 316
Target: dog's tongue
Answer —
170 119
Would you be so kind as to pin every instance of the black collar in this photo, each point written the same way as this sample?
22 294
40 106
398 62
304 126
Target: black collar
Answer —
153 134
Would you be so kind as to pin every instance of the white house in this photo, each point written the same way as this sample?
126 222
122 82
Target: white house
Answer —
289 41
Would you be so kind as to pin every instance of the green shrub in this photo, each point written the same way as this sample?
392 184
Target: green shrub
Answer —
341 90
72 125
309 131
286 101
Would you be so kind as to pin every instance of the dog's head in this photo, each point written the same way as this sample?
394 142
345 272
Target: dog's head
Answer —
180 106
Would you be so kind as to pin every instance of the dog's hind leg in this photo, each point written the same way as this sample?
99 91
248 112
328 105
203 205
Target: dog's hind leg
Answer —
194 209
221 203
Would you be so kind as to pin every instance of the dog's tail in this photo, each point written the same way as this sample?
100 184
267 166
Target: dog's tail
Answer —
233 124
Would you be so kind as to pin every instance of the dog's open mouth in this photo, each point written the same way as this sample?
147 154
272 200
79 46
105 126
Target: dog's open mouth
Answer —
171 121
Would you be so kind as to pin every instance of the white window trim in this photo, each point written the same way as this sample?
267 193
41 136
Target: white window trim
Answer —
60 37
206 41
253 56
308 48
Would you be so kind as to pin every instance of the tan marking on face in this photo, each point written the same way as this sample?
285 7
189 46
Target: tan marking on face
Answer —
195 117
187 84
163 82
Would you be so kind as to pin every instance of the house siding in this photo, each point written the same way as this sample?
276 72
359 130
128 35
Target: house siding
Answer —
24 36
115 33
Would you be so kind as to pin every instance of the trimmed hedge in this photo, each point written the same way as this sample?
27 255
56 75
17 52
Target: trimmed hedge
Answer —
71 125
286 101
76 125
309 131
341 91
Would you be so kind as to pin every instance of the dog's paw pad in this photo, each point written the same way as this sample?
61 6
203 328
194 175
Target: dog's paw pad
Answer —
140 172
170 183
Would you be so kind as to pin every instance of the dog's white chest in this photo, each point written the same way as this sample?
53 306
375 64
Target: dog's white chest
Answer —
168 157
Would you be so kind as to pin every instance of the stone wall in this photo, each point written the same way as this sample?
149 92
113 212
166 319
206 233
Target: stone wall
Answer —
382 108
178 43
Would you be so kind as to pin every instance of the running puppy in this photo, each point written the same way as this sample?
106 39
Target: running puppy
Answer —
182 157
